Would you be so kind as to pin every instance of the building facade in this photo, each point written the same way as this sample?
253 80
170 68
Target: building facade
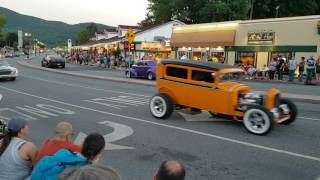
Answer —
254 42
152 43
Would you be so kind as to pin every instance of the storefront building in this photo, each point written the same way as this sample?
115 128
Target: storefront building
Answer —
152 43
204 41
254 42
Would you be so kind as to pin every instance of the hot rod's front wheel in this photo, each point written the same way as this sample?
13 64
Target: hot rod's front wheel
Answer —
288 108
161 106
258 120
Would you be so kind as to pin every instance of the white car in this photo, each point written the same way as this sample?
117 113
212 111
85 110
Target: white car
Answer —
7 71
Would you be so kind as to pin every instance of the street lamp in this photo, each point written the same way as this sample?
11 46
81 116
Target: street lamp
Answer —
35 43
28 35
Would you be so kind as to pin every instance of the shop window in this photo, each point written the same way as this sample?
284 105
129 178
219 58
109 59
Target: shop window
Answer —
245 58
177 72
286 55
219 55
196 56
202 76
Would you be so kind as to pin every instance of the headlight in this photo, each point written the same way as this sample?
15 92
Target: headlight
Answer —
15 71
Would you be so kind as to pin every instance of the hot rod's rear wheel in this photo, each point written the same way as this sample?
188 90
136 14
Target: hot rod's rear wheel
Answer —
292 110
161 106
258 120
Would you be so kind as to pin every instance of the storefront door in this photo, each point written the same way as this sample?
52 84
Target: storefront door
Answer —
262 59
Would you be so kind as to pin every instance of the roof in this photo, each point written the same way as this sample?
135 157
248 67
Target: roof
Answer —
151 27
115 38
282 19
111 30
128 27
198 64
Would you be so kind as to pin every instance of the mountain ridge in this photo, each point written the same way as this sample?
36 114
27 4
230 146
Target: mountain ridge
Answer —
48 31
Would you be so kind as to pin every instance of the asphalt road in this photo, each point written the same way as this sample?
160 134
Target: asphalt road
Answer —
256 85
209 148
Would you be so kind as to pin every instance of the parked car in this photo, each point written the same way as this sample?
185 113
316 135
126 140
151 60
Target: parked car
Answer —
7 71
53 61
216 88
143 69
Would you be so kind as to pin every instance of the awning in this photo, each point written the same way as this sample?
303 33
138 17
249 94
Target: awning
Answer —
203 39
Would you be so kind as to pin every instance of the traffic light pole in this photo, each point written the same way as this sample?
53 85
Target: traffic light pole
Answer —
129 61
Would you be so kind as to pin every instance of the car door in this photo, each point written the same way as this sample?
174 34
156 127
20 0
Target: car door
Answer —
136 68
204 93
143 69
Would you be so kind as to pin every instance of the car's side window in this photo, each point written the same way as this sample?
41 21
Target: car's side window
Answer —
202 76
177 72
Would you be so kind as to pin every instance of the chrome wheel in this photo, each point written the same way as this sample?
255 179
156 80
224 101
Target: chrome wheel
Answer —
257 121
150 76
128 74
158 106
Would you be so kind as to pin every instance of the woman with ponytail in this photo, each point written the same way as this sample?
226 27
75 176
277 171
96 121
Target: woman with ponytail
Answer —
92 148
16 154
50 167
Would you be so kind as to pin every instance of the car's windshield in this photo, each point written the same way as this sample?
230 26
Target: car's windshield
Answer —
232 76
4 63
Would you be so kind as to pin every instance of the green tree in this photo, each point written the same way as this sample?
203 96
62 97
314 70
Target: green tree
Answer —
196 11
11 38
2 23
203 11
83 37
285 8
92 28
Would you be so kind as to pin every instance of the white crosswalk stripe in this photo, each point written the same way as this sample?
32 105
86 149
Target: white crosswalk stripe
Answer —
119 102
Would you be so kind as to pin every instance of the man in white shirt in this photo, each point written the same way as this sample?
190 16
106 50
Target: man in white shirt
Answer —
292 68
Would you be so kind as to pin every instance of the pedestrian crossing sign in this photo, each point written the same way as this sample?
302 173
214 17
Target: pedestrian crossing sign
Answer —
130 35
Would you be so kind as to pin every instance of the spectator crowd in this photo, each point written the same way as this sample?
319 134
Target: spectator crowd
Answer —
280 66
59 158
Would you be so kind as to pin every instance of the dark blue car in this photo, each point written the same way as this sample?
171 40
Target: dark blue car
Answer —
143 69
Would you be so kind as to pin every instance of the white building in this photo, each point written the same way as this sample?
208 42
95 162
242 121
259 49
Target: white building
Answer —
152 43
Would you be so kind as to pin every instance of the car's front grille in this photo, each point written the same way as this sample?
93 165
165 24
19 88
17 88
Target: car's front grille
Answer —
5 72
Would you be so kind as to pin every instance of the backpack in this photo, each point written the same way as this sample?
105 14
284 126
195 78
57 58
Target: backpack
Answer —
50 167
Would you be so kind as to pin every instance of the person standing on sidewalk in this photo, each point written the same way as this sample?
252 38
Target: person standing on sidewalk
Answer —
310 69
301 68
280 66
318 69
292 68
272 68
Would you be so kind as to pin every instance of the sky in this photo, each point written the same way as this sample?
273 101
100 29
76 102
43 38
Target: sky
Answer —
108 12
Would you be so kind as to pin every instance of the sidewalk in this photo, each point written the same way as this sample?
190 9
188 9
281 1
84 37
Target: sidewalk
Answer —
118 76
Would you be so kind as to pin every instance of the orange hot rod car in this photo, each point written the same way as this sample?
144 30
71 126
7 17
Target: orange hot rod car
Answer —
215 88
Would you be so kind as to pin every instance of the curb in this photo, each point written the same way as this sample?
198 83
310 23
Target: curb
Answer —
295 97
115 79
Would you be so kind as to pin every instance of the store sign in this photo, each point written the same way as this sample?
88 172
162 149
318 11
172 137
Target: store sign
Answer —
261 38
154 47
132 46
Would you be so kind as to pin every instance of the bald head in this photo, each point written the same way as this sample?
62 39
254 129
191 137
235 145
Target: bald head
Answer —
171 170
62 129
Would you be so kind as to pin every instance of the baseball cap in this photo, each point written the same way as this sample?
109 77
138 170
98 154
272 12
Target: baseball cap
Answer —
16 124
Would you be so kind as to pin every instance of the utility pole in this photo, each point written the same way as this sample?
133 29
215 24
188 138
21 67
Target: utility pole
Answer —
251 8
277 10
